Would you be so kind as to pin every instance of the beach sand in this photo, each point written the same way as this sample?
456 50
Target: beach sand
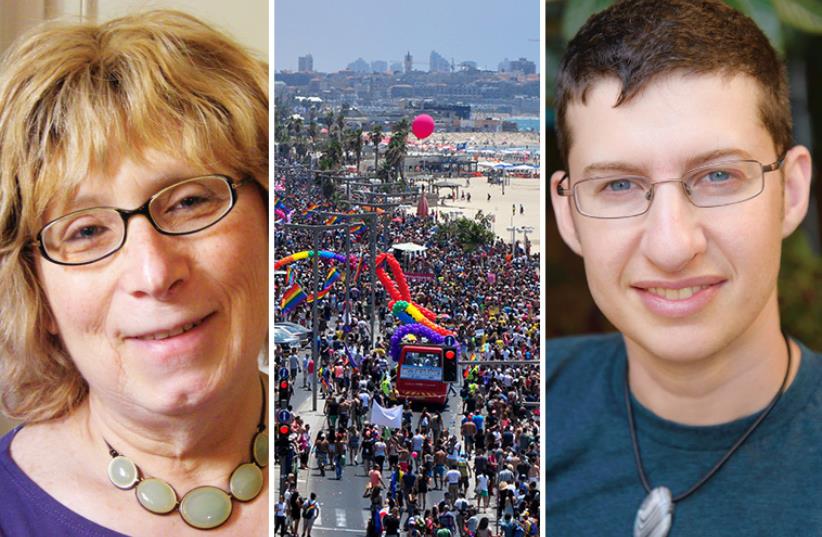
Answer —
519 191
475 139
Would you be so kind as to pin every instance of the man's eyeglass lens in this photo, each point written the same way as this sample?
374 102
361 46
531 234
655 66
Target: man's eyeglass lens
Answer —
712 186
92 234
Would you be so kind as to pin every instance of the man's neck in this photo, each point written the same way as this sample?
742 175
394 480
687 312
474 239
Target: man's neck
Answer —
737 380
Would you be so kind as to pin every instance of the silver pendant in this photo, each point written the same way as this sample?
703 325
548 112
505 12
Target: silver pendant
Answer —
655 515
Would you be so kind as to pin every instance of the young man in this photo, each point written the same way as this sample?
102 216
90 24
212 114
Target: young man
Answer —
681 182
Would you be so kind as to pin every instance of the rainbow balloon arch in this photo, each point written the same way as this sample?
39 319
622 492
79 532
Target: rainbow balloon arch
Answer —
416 320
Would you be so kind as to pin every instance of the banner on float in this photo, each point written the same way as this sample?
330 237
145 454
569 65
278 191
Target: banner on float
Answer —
390 417
420 276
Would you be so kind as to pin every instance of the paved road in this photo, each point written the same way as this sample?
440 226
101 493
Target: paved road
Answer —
343 510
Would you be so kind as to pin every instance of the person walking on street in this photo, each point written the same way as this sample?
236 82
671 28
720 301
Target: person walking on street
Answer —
311 510
452 477
339 463
391 523
295 504
321 453
279 516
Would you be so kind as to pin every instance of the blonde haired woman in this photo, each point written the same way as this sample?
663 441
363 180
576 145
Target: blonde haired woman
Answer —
133 269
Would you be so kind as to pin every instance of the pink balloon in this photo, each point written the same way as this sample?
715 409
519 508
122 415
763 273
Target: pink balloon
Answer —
422 126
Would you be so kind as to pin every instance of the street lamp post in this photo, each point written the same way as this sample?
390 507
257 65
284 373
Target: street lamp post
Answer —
315 231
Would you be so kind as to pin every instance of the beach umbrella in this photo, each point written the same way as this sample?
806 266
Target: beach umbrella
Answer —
422 206
422 126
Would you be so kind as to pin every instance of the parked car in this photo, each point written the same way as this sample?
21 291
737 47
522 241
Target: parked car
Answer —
302 333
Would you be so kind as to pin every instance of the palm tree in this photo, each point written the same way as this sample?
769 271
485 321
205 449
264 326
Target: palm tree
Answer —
312 131
356 145
340 124
295 125
353 143
332 155
376 138
398 148
328 121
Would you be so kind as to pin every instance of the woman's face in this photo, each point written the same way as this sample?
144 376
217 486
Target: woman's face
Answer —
120 318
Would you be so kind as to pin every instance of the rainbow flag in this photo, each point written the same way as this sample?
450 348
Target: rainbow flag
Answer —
290 275
357 272
331 220
357 228
332 276
310 208
292 298
320 295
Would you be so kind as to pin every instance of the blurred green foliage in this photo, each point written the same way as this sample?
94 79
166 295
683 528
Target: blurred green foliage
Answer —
470 234
800 290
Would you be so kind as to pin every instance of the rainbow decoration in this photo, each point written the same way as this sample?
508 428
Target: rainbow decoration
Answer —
401 305
292 298
357 272
305 254
418 330
310 208
332 276
416 319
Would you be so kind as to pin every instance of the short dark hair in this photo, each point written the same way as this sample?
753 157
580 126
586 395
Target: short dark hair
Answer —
640 41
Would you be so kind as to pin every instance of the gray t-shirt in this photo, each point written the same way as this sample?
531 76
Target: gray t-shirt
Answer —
770 486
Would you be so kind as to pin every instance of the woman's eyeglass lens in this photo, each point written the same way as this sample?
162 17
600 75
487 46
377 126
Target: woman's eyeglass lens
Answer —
716 185
90 235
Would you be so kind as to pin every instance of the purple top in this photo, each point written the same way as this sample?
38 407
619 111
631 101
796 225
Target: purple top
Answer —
26 509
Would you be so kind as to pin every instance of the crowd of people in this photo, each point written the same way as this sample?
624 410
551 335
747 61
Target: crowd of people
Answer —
475 473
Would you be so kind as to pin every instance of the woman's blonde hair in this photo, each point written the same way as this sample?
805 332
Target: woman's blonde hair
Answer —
76 99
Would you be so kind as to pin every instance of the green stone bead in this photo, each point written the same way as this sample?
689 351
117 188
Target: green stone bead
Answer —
156 496
122 472
260 449
246 482
205 507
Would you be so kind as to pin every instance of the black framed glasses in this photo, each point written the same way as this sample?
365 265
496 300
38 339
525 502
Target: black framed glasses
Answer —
89 235
714 185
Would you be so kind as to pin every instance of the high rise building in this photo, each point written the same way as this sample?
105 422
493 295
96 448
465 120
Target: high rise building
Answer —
438 64
408 62
523 66
359 66
305 64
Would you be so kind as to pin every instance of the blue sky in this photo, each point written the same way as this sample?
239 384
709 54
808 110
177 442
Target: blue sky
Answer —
337 32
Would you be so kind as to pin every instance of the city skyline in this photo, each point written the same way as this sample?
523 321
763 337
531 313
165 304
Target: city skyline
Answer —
482 31
436 64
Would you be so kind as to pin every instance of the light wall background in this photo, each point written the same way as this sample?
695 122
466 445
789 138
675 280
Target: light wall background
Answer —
245 20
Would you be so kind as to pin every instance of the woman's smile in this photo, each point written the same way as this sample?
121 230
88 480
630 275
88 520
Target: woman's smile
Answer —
175 330
187 340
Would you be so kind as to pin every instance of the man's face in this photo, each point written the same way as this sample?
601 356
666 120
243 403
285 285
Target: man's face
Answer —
680 281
